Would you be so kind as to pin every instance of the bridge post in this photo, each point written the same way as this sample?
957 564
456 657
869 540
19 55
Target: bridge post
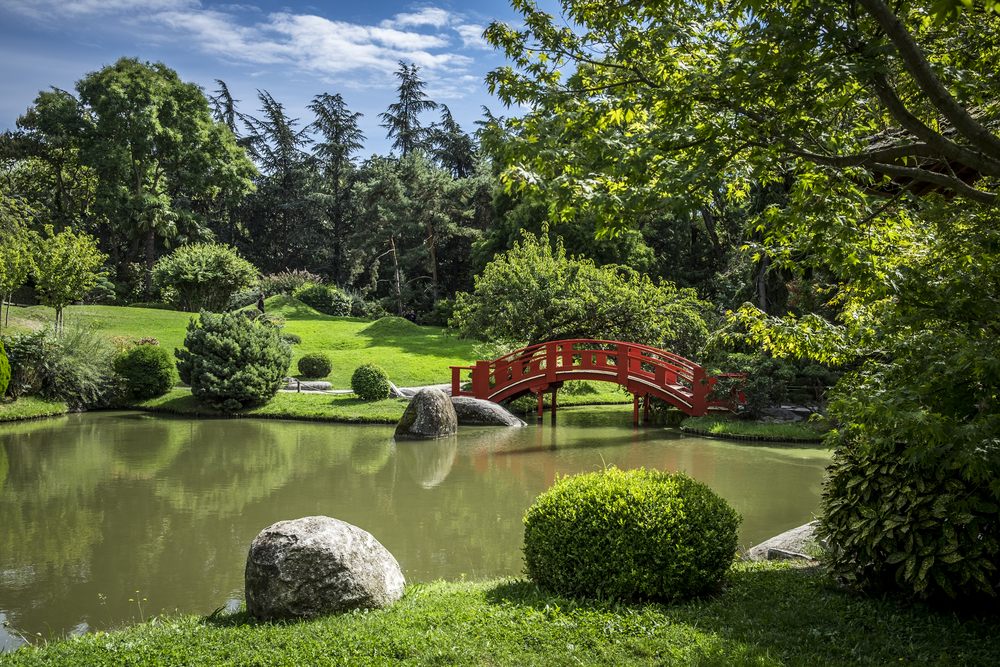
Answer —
541 407
481 380
635 408
699 391
623 353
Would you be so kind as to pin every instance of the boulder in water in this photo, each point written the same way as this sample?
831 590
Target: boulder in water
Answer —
477 412
430 414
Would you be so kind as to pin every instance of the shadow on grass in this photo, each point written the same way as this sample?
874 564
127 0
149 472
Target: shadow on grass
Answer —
798 616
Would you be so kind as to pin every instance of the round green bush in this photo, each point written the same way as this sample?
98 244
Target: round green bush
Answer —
148 371
315 365
919 528
370 382
629 535
4 370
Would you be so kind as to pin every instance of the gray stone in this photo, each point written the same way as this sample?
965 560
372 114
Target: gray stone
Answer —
315 566
476 412
790 544
307 385
429 415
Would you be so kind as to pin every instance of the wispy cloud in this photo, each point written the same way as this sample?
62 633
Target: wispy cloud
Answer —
430 37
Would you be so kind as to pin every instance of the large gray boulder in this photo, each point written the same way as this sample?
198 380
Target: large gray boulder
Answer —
429 415
315 566
477 412
791 544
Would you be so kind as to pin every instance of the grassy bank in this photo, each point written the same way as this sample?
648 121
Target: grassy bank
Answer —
768 614
725 426
30 407
320 407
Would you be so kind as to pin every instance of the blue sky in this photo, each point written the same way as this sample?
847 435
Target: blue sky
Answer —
294 50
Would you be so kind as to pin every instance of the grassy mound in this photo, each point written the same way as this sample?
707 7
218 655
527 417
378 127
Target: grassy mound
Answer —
391 326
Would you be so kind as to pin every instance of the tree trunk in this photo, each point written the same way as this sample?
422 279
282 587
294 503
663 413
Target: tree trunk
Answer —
706 214
395 269
762 282
150 260
434 266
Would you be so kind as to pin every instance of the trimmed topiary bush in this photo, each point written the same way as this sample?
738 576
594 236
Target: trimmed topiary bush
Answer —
629 535
922 529
318 297
4 370
148 371
370 382
315 365
232 362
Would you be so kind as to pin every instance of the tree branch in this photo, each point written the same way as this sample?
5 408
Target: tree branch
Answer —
924 76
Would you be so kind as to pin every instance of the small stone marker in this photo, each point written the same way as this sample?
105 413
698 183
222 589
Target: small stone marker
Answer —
316 566
430 414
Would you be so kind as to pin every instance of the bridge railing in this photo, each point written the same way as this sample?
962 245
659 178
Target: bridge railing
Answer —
640 368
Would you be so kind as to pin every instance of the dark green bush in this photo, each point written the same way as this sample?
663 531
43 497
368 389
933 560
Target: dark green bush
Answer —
4 370
922 529
74 367
232 362
318 297
315 365
148 371
629 535
291 339
370 382
341 306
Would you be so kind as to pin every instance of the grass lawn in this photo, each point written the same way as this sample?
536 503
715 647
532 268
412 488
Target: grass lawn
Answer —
767 615
731 426
410 354
320 407
30 407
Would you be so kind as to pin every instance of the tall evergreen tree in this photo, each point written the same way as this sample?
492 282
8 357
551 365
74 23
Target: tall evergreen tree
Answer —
402 117
453 149
341 138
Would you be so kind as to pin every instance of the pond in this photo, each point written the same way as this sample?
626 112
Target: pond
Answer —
110 517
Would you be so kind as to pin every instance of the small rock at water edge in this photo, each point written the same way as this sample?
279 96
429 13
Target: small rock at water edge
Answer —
316 566
430 414
477 412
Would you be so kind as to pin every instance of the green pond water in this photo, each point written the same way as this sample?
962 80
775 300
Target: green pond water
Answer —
110 517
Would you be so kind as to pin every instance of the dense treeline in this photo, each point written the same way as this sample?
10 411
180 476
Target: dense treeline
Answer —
145 163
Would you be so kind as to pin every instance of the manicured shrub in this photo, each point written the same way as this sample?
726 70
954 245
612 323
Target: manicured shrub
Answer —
629 535
148 371
4 370
370 382
288 282
923 529
315 365
291 339
233 362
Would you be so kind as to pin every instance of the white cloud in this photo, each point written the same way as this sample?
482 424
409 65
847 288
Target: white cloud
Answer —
472 36
50 11
429 16
240 34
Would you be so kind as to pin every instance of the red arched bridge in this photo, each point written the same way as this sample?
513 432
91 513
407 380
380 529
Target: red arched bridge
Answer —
644 371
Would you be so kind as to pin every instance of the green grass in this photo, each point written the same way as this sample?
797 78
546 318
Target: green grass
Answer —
723 426
411 355
767 615
30 407
321 407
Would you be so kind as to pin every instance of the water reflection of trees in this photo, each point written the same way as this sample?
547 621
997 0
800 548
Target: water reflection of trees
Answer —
109 504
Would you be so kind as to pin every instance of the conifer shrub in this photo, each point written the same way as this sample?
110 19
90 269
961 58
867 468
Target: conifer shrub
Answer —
315 365
922 529
630 535
148 371
370 382
4 370
233 362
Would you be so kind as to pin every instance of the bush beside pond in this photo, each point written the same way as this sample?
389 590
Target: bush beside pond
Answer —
633 534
